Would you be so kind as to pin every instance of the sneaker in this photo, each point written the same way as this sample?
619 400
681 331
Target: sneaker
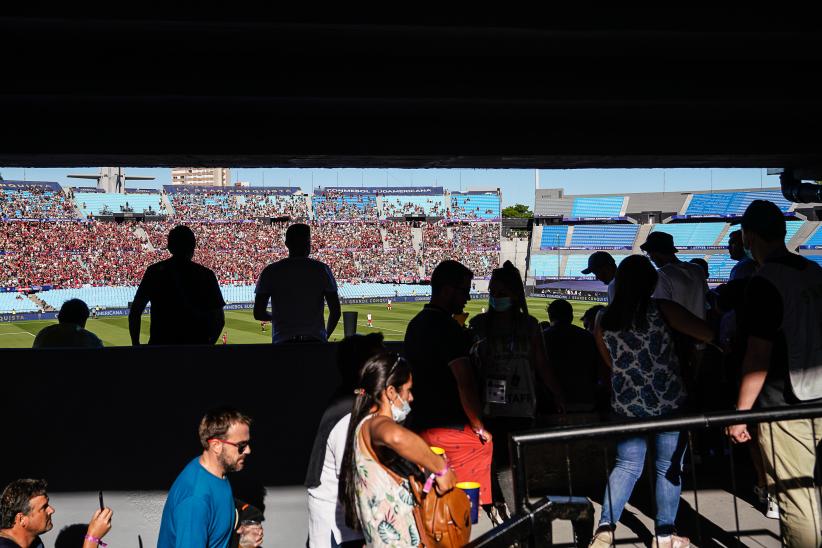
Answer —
772 511
672 541
604 538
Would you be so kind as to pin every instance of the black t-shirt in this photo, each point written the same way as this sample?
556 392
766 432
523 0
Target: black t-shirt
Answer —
433 340
183 294
573 355
8 543
761 317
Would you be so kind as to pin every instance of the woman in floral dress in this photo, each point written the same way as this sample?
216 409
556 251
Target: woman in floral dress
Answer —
377 500
635 339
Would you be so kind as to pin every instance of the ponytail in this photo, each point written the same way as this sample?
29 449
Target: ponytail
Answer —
378 373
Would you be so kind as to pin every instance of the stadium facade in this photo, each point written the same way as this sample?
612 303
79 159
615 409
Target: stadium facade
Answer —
568 228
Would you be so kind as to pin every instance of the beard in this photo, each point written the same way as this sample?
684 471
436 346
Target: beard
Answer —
231 465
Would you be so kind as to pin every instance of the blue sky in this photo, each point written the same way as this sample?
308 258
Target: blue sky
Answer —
517 184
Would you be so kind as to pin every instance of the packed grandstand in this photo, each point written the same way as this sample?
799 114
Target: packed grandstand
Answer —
58 243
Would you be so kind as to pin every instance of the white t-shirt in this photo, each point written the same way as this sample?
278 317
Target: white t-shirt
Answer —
683 283
369 317
325 515
297 286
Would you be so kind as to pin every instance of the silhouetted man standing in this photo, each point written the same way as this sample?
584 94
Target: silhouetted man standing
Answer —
186 302
603 266
745 266
297 287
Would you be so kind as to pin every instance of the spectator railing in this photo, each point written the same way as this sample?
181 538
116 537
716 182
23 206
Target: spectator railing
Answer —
530 524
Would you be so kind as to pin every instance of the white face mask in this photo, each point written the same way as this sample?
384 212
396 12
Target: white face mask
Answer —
399 414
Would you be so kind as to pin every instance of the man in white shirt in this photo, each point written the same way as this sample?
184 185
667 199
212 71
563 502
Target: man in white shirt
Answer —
603 266
297 288
680 282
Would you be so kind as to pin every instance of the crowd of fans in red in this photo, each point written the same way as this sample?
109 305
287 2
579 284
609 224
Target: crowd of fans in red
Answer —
76 253
35 202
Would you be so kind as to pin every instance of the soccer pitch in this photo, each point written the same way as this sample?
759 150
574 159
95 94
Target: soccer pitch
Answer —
242 328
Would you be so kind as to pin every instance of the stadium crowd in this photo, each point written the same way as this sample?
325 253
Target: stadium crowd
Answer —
331 205
209 205
35 202
393 206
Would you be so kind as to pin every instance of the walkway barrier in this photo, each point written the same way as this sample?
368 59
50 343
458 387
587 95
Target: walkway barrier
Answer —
531 523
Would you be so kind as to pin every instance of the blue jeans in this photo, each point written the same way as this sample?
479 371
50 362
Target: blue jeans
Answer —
670 452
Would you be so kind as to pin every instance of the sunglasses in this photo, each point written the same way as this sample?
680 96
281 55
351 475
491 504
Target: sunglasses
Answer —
241 447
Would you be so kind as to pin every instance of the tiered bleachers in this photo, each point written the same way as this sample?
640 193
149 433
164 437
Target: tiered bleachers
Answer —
30 200
553 236
720 266
104 297
371 290
692 234
475 205
545 265
604 236
17 303
815 258
791 228
101 203
732 203
599 206
238 293
397 206
577 263
815 239
334 206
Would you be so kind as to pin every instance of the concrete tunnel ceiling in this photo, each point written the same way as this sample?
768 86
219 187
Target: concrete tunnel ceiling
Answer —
618 88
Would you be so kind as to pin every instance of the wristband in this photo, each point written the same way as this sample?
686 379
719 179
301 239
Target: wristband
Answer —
429 483
97 540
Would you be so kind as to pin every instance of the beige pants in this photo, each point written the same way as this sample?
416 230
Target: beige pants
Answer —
789 452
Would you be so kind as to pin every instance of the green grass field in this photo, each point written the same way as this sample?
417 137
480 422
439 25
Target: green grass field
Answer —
242 328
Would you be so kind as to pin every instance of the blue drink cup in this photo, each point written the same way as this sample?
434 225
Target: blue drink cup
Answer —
472 489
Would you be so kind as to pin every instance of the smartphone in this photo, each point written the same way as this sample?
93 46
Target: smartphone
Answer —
102 507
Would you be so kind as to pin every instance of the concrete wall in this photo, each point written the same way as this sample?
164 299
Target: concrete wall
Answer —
126 418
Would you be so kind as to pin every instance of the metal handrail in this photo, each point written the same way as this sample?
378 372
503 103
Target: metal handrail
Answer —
519 441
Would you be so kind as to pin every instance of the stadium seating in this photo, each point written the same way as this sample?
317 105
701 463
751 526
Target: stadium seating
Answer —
815 239
815 258
791 228
475 206
577 263
720 266
333 206
35 201
600 206
104 297
692 234
372 290
16 302
732 203
553 236
95 203
395 206
545 265
604 236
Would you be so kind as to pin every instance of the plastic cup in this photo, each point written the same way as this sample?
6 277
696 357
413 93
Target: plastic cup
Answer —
437 450
472 489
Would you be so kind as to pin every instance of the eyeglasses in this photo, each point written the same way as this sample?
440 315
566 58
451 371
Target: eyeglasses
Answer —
241 447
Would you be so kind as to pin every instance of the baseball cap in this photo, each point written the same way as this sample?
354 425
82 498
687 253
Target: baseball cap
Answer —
598 260
659 241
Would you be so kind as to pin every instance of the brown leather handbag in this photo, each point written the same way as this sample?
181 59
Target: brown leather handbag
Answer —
443 521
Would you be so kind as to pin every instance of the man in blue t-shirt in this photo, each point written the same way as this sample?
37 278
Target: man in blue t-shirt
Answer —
199 510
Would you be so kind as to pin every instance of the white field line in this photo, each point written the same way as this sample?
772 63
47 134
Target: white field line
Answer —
18 333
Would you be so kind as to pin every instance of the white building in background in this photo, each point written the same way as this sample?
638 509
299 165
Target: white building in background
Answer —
218 176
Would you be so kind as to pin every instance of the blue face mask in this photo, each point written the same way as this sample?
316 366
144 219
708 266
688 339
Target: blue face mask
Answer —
500 304
401 413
